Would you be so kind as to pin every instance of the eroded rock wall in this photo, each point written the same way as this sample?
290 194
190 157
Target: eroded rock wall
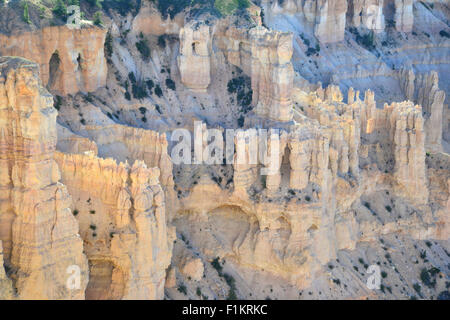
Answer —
39 233
130 144
70 60
366 13
121 210
194 61
404 17
432 101
265 56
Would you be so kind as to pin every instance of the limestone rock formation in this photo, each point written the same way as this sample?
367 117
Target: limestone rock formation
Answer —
130 144
432 101
424 90
367 13
329 19
39 234
70 60
121 210
272 73
404 17
265 56
6 289
194 60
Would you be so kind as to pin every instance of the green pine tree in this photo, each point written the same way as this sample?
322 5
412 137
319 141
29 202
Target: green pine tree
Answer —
26 14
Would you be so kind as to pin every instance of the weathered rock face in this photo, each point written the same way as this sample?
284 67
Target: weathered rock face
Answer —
432 101
130 144
121 210
366 13
68 142
150 21
297 218
6 289
404 17
424 90
70 60
329 19
194 60
272 73
399 132
265 56
39 234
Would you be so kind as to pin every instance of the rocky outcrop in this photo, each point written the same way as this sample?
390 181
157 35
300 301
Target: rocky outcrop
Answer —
432 101
366 13
424 90
6 289
329 18
194 60
70 60
406 78
272 73
343 123
40 237
68 142
130 144
399 130
265 56
121 211
404 16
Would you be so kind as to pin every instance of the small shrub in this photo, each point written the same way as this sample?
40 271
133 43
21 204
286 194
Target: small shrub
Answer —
143 48
26 15
98 18
427 279
216 265
161 42
388 208
150 85
93 227
142 110
57 102
417 288
383 274
132 77
158 91
241 121
60 9
75 212
92 212
444 33
139 91
182 288
170 84
108 45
